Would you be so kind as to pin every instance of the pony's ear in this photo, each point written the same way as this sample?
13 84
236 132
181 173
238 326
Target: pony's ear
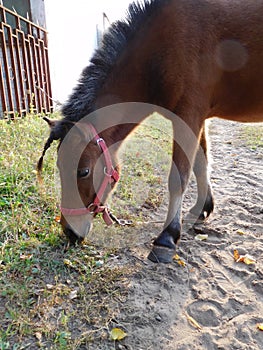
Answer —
58 128
52 123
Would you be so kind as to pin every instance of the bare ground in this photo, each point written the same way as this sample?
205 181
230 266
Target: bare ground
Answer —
213 302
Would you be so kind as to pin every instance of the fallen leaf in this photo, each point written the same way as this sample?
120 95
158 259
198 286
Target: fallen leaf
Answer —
193 322
240 232
38 335
117 334
181 263
236 255
58 218
67 262
246 259
201 237
179 260
50 286
99 263
25 256
260 326
73 294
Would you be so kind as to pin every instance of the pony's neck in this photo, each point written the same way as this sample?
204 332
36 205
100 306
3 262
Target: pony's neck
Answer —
115 122
116 135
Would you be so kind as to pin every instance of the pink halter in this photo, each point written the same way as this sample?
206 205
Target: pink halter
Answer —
110 176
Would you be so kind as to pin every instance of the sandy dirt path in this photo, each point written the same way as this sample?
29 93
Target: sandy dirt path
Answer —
213 302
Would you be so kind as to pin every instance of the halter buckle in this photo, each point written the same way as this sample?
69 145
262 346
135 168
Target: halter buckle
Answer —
99 140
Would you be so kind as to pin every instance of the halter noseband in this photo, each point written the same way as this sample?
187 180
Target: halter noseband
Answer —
110 176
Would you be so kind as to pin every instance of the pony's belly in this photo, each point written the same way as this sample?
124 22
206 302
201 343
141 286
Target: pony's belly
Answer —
239 107
246 118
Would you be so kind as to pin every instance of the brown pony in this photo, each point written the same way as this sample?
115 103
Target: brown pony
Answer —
189 60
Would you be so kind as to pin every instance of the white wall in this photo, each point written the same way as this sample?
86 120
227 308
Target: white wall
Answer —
72 37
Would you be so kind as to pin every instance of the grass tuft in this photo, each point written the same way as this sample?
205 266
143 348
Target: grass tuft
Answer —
253 134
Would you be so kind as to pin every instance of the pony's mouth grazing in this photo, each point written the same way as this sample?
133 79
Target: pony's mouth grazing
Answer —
76 229
72 236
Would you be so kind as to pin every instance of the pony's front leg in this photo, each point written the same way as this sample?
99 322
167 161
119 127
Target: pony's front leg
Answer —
165 244
184 151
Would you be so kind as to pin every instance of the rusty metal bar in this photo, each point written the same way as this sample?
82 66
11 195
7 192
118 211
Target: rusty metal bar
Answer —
24 71
3 94
3 14
6 70
33 52
42 82
47 76
16 15
31 80
39 82
13 70
2 87
19 65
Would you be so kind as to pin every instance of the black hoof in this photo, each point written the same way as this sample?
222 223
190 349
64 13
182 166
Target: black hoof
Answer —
161 254
192 219
202 215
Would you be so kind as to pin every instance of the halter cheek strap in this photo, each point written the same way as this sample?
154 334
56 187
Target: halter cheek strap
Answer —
110 176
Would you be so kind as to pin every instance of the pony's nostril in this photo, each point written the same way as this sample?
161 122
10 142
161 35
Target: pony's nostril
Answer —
72 236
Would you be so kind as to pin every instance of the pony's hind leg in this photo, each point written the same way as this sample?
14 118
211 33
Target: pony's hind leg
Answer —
205 203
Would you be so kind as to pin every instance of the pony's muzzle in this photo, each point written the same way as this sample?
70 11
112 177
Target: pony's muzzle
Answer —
72 236
76 228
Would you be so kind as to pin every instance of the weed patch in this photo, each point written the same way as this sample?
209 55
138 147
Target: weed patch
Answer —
253 135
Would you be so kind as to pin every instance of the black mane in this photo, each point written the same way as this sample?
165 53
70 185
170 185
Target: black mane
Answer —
80 103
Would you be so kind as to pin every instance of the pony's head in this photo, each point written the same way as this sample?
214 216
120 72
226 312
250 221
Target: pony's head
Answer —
87 174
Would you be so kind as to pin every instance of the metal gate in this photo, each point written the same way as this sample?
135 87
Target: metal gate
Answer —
24 70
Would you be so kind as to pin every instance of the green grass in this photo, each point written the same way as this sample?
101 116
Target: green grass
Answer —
253 134
53 296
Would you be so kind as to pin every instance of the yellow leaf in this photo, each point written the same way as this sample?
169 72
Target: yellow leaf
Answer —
58 218
117 334
260 326
236 255
248 260
193 322
201 237
240 232
67 262
25 256
179 261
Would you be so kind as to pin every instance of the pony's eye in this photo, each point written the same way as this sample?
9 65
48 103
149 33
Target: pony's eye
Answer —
83 173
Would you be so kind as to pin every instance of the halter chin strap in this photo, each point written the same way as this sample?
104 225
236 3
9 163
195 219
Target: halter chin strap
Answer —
110 176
